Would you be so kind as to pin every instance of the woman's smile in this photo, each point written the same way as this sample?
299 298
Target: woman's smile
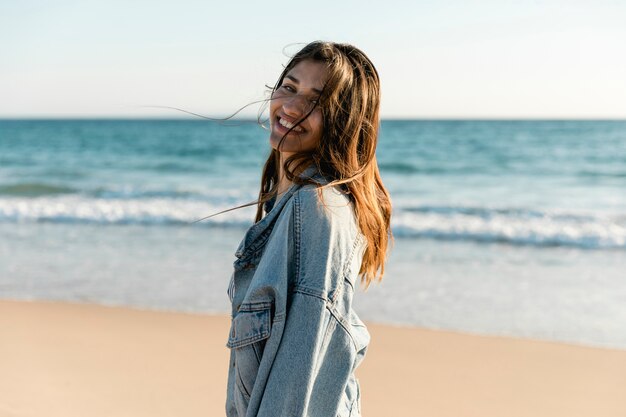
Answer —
288 125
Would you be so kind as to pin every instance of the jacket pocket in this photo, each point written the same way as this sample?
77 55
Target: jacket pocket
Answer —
248 334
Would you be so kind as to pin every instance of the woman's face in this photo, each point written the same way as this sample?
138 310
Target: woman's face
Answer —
293 100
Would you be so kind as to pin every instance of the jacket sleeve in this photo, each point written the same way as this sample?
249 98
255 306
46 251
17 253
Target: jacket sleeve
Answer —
315 357
312 365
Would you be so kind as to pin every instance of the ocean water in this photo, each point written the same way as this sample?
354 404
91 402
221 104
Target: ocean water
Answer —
511 228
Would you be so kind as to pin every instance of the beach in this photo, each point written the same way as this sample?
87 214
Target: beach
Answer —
72 359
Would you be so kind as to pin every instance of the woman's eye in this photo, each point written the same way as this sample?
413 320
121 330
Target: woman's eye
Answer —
288 88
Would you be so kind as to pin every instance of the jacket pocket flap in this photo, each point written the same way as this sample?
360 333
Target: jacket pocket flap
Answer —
251 324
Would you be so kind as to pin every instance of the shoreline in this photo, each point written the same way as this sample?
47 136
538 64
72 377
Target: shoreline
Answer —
81 359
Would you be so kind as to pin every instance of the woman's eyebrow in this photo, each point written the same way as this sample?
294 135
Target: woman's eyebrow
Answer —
295 80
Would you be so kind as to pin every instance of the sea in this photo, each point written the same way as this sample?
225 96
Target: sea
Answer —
501 227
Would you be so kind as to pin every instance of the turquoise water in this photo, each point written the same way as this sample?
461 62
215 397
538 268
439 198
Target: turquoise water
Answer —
502 227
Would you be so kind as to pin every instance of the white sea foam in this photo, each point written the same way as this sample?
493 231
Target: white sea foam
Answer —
514 226
148 211
487 225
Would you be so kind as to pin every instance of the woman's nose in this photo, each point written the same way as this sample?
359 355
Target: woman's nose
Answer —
294 106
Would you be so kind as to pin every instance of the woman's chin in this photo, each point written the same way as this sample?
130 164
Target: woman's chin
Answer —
275 142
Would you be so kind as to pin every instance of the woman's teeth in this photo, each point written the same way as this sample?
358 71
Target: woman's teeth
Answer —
289 125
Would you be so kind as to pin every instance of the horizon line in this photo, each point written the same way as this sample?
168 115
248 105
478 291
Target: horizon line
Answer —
253 119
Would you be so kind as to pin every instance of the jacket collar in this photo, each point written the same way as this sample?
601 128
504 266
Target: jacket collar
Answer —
260 231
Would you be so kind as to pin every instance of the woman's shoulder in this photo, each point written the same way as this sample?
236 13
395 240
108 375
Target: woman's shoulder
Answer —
326 238
324 203
320 190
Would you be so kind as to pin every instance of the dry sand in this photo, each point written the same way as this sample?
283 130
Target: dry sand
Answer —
75 360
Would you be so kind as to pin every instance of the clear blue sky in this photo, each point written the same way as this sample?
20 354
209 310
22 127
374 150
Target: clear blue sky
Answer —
545 59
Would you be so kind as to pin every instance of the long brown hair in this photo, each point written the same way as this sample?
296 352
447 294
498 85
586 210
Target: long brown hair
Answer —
345 154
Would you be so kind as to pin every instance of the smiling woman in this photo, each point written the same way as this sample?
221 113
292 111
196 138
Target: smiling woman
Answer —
322 222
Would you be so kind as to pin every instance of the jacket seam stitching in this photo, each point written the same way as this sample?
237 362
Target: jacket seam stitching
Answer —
252 306
297 233
338 292
355 245
309 291
333 313
344 325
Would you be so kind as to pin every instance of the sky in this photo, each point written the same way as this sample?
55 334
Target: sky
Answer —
437 59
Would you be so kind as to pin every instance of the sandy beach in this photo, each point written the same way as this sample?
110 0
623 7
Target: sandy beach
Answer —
61 359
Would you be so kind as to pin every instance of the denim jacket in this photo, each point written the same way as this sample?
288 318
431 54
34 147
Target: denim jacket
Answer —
295 340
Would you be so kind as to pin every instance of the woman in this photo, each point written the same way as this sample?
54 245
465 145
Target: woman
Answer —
322 222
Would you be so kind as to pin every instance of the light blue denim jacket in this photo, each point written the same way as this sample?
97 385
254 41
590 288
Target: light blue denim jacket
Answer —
295 340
